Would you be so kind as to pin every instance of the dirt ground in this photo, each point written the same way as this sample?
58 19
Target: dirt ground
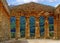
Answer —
32 41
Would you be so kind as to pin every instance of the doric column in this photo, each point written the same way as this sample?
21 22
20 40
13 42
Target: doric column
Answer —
27 30
37 28
55 28
46 28
17 27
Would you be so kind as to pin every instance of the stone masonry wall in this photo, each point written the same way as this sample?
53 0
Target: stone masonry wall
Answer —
4 24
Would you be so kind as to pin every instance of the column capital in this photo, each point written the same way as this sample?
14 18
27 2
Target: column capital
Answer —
46 18
37 18
17 16
27 18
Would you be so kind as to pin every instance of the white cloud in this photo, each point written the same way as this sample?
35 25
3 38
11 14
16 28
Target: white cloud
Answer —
57 5
18 0
25 1
35 0
42 0
52 0
8 3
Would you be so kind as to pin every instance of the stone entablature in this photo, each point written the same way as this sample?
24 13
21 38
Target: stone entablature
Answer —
32 9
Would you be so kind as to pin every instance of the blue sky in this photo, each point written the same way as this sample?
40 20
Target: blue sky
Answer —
46 2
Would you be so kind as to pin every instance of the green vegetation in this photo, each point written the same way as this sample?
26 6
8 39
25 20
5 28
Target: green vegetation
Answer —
12 34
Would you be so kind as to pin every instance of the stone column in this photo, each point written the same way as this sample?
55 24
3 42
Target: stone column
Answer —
17 27
55 28
37 29
27 30
46 28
